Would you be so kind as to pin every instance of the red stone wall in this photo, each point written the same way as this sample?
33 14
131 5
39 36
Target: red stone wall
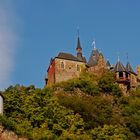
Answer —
51 73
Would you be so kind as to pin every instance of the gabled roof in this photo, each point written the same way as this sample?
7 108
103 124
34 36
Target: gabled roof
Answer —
119 67
68 56
93 59
129 68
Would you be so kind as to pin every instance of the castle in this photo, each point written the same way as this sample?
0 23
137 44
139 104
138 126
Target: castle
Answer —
66 66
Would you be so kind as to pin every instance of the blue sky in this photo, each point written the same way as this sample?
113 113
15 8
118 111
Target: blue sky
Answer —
36 30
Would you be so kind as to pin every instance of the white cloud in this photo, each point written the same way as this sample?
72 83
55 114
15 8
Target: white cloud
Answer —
7 45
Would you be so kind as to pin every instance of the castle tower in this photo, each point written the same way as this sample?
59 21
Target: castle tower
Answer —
96 62
94 57
101 62
132 75
122 77
79 51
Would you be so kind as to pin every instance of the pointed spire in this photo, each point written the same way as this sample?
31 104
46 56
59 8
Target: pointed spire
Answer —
128 65
119 67
118 58
129 68
127 57
78 48
108 63
78 31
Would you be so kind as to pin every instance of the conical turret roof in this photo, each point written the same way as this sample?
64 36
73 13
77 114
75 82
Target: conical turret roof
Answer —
129 68
119 67
108 63
93 59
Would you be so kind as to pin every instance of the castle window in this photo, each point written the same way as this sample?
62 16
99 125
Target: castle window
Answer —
120 74
62 65
126 75
78 68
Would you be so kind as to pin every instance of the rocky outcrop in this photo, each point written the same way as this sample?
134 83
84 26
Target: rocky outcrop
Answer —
9 135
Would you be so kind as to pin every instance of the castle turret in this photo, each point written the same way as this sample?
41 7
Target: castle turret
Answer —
79 51
129 68
132 75
94 57
122 76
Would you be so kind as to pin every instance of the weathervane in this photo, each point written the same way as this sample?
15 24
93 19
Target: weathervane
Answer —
93 44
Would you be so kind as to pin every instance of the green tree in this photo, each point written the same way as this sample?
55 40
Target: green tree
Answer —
110 132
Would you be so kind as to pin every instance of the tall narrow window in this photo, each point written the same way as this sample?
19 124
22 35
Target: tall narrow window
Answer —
62 65
78 68
120 74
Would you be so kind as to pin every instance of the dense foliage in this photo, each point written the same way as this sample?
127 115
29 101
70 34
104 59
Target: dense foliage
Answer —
86 108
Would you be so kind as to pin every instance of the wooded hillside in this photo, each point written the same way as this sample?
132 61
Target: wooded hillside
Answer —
90 107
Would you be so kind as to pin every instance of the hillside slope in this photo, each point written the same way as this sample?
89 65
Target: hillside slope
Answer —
89 107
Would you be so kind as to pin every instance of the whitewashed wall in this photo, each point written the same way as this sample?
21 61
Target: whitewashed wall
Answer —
1 105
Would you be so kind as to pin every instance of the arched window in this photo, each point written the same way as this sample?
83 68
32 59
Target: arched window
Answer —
62 65
78 68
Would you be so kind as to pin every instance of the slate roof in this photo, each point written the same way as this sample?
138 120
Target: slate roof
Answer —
80 57
108 63
68 56
101 54
129 68
93 59
119 67
78 44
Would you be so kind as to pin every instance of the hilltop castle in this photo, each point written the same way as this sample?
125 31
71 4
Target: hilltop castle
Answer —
66 66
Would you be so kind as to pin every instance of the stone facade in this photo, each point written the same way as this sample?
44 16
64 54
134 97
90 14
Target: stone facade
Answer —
99 67
63 70
133 80
66 66
67 69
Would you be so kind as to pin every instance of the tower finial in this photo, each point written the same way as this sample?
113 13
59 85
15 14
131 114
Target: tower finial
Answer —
94 44
78 31
118 57
127 57
79 49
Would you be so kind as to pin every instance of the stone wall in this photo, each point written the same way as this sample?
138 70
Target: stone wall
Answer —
133 80
51 73
100 67
124 88
68 70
